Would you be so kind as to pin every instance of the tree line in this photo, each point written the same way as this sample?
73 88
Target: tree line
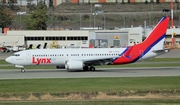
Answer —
36 21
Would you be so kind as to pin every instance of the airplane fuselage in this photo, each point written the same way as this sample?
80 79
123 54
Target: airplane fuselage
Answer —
59 56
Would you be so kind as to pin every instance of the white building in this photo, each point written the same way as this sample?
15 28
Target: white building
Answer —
24 2
74 38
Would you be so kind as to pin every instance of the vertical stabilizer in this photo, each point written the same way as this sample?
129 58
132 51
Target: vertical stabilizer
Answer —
156 38
155 41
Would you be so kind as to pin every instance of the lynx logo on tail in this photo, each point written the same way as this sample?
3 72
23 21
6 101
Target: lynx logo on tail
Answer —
38 61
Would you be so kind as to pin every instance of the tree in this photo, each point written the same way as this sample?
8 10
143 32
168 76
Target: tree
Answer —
152 1
129 1
51 3
157 1
13 5
146 2
177 2
30 5
6 17
38 18
2 3
123 2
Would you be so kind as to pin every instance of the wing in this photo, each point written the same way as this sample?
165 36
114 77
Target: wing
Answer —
106 61
99 62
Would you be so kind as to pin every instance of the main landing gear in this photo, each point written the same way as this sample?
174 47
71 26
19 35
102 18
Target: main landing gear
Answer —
91 68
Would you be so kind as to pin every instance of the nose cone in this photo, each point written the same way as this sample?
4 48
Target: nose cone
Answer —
8 59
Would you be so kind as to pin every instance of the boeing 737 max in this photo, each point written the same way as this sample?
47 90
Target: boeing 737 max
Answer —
86 59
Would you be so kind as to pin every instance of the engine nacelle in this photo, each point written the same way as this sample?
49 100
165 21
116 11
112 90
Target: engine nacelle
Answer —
60 67
73 65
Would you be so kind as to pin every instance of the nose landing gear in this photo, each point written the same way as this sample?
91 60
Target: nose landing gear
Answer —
22 70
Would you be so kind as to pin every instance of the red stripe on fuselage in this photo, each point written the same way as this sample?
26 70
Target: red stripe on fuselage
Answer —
137 51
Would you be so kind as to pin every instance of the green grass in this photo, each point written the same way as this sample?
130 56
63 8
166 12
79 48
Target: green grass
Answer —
3 62
132 86
102 102
89 84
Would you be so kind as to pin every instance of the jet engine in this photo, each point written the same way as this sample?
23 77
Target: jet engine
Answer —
73 65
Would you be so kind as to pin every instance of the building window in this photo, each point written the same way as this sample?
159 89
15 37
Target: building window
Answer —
77 38
33 38
56 38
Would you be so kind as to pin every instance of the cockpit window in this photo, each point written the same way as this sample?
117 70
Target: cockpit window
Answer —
16 55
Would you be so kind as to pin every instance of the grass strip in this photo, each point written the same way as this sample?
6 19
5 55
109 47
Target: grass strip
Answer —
89 84
165 89
88 91
97 102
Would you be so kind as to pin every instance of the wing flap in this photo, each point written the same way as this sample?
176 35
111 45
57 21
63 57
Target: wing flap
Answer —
99 62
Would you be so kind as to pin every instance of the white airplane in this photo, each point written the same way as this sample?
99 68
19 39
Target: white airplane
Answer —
14 46
85 59
13 42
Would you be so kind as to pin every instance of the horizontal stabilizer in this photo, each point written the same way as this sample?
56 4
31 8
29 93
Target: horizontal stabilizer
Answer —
162 50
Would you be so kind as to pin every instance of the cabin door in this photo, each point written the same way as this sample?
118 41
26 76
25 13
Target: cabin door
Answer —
28 55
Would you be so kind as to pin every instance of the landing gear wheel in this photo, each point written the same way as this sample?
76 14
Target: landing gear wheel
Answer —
92 68
85 68
22 70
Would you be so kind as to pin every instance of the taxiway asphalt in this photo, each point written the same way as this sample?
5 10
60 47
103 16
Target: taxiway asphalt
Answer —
120 72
